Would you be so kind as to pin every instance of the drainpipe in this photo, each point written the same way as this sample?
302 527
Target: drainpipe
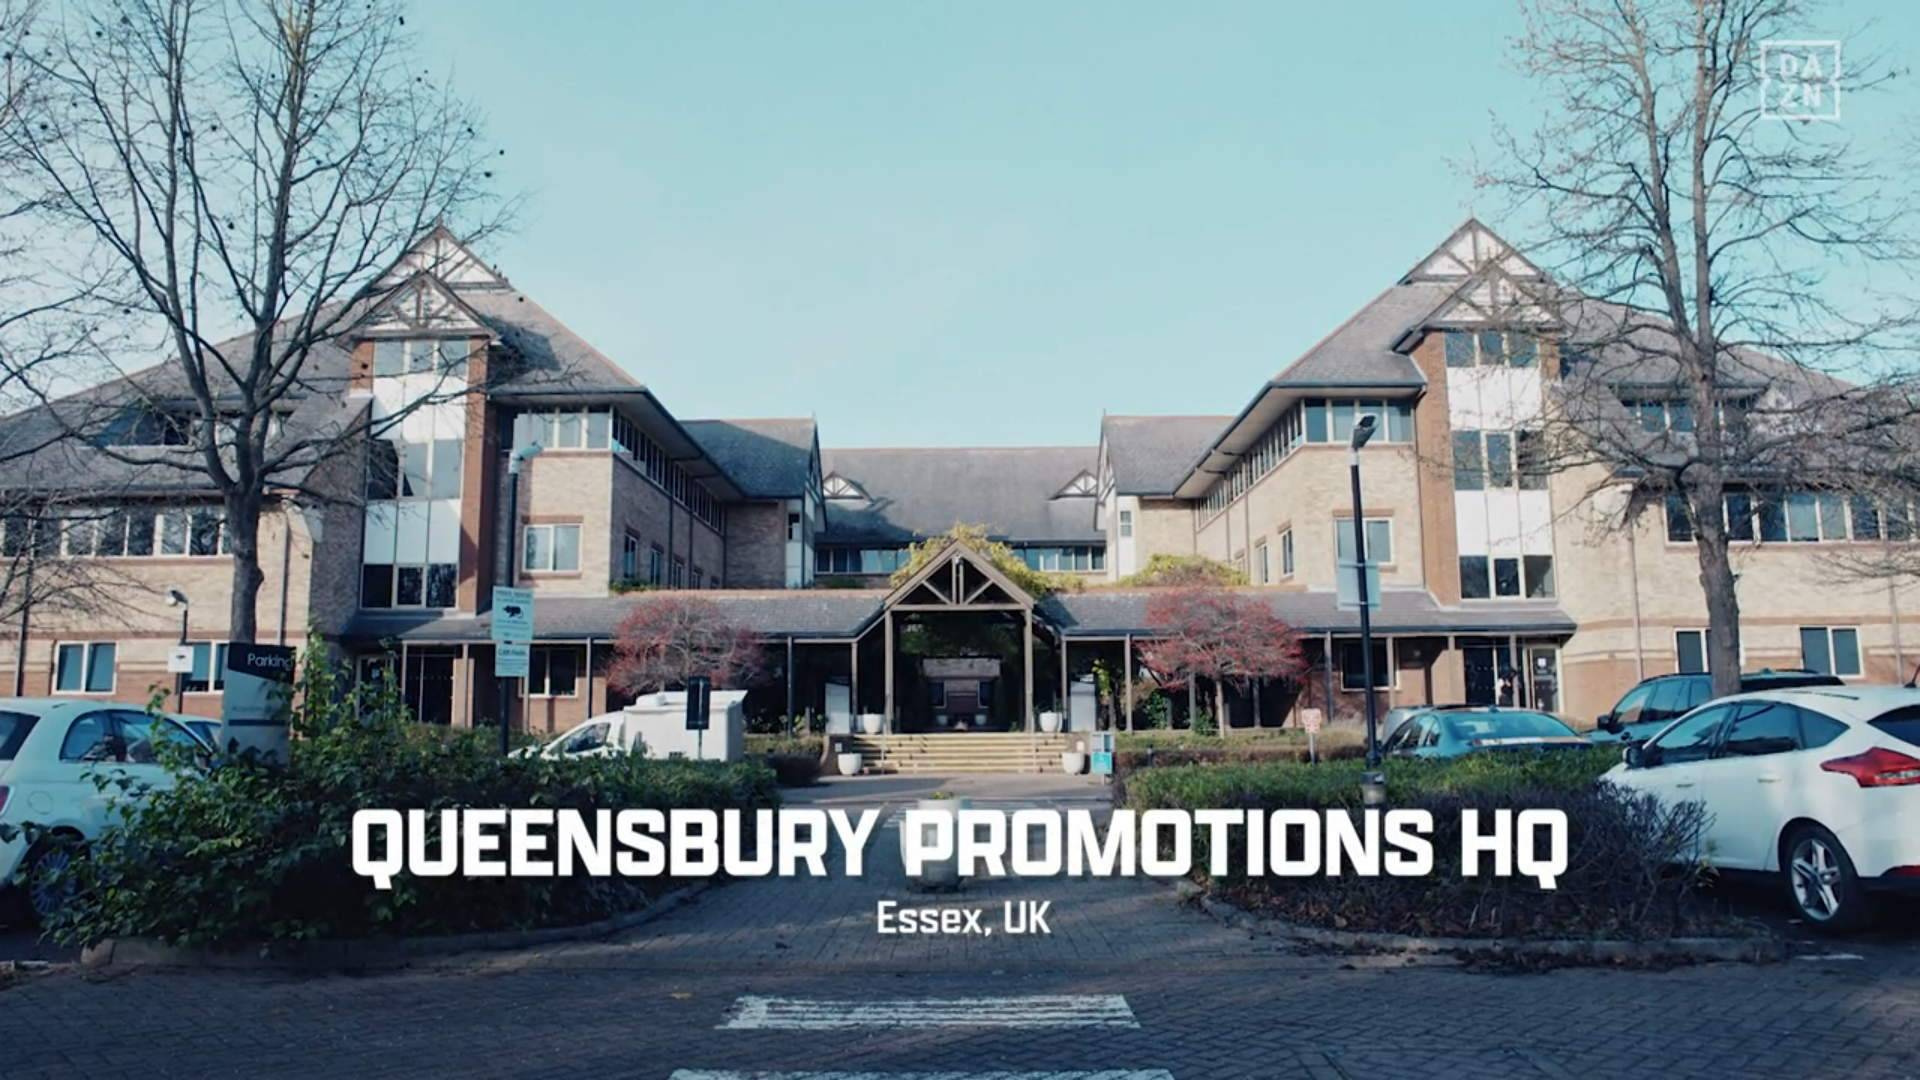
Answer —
1893 609
1633 577
20 647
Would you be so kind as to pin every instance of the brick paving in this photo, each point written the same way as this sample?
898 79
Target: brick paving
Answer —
1211 1003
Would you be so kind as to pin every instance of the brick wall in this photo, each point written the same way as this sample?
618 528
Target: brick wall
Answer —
756 545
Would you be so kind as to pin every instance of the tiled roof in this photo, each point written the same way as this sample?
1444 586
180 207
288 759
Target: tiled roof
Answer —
920 493
1150 455
828 613
1360 351
769 459
1098 612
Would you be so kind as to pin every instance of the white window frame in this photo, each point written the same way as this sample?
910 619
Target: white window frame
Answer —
89 656
1287 558
1372 558
216 653
1859 651
1265 563
1126 524
551 530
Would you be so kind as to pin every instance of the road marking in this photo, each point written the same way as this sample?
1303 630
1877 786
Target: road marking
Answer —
1832 956
1086 1010
1104 1074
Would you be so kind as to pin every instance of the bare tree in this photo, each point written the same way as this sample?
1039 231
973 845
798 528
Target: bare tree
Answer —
247 170
1688 237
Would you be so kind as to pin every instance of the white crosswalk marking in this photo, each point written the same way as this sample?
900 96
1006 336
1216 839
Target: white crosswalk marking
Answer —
1085 1010
1104 1074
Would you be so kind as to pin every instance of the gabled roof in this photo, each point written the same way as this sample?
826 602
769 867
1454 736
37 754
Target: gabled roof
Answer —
956 577
1466 251
913 494
1150 455
768 459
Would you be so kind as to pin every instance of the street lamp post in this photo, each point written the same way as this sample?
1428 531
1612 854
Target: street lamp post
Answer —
504 688
176 598
1362 431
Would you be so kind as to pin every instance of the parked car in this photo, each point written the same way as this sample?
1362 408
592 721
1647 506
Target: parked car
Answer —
602 736
1820 787
1452 730
50 751
1398 715
1656 702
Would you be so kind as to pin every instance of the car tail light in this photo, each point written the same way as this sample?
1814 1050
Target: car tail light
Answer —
1904 871
1877 767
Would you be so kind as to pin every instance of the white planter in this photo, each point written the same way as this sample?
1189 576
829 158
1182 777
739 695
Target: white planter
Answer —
871 723
1050 722
945 874
1073 763
849 764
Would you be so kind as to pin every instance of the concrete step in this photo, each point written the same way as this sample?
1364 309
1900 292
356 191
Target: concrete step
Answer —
971 752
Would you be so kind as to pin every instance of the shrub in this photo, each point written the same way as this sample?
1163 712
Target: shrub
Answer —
1620 847
815 745
795 770
251 853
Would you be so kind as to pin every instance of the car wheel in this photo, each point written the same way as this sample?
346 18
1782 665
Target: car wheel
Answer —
1821 882
48 883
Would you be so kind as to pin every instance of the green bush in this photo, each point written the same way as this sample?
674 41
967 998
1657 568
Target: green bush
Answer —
787 744
794 770
252 853
1618 881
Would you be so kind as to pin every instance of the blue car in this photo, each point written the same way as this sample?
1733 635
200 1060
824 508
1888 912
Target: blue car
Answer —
1456 730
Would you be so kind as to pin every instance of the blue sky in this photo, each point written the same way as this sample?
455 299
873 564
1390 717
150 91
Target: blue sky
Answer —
981 223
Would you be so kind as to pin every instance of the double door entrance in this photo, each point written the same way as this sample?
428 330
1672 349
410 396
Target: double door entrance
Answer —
1522 676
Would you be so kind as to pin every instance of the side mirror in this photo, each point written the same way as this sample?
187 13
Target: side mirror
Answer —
1608 723
1634 756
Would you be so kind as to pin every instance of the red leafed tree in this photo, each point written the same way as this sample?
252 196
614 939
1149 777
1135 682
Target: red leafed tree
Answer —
672 638
1226 637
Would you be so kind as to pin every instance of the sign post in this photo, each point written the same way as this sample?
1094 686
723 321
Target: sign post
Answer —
1101 743
1311 719
699 698
253 711
511 626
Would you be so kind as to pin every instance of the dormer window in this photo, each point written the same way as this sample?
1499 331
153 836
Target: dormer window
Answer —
1082 486
839 487
412 356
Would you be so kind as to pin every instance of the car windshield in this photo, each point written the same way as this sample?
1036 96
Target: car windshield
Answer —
1902 723
1507 725
14 727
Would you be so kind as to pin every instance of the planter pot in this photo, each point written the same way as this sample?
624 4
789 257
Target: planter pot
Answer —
1050 722
871 723
849 764
945 874
1073 763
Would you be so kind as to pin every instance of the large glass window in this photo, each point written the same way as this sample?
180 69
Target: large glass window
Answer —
1379 541
1491 348
1690 646
209 667
1353 675
553 670
392 356
1469 461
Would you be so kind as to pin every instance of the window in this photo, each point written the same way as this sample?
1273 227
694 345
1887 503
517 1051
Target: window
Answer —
1631 706
793 526
600 429
1763 727
1830 651
698 576
656 566
1530 460
429 470
1485 577
937 694
1491 348
553 671
1352 674
1379 541
91 738
1690 646
121 533
405 357
629 557
85 668
1679 520
1126 524
209 668
1469 461
1690 739
552 547
1263 568
679 571
1286 553
430 585
1074 558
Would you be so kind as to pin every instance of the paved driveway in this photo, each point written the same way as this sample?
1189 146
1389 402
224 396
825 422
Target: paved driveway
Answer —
771 976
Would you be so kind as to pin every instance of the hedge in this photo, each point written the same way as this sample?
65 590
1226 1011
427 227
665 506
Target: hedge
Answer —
1619 881
248 852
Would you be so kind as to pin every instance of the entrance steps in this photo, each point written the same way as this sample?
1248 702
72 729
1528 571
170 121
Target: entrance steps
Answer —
972 752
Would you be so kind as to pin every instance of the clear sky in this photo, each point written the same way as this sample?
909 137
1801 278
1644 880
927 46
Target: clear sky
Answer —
983 222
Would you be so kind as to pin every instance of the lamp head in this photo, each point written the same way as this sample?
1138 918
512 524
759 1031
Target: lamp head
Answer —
176 598
1363 429
521 454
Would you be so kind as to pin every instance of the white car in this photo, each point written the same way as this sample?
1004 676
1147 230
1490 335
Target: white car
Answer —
602 736
1818 786
50 751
